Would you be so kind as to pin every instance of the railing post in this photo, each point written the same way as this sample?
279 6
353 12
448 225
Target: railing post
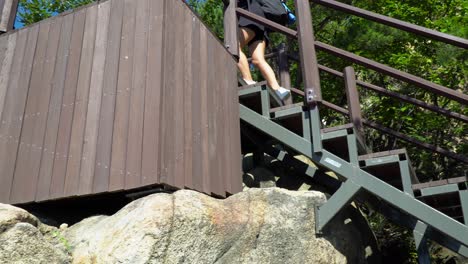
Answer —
230 27
8 14
310 73
283 65
352 95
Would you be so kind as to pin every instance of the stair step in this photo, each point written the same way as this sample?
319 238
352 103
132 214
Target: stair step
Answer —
456 180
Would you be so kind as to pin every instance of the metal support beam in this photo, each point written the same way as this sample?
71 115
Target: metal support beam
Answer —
464 205
265 100
315 125
420 239
417 209
352 95
342 197
448 188
406 177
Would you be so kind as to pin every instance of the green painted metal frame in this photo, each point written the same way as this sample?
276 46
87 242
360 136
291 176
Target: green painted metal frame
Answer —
464 204
366 181
420 240
430 191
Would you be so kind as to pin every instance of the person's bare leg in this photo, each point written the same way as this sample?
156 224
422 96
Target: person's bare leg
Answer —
245 35
257 49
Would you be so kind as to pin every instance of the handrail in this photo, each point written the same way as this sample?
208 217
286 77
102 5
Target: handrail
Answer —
418 81
382 128
433 34
407 77
402 97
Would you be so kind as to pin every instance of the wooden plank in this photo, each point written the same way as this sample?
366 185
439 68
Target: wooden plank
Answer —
27 164
106 123
20 107
70 100
137 98
167 128
226 119
204 110
94 102
61 106
236 139
3 58
81 103
213 107
189 20
12 115
178 111
153 94
6 62
197 154
8 15
55 107
124 82
46 83
66 115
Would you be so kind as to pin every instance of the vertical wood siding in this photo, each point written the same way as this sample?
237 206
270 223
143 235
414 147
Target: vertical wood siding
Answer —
116 96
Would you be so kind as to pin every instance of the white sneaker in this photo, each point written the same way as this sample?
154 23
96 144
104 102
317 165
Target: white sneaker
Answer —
283 93
249 82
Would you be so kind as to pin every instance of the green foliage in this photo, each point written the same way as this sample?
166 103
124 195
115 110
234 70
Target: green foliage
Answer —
32 11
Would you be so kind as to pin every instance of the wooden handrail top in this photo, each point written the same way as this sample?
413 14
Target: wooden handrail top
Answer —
422 31
401 97
407 77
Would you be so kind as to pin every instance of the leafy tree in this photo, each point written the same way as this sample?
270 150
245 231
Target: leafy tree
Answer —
32 11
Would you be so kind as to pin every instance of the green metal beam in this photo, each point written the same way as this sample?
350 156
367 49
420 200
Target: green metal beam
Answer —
390 194
464 205
342 197
420 240
449 188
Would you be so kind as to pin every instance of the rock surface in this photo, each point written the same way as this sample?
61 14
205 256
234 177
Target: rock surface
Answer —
24 240
256 226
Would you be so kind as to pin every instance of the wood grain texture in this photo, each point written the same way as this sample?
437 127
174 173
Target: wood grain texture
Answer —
106 121
137 97
94 102
27 164
124 82
154 77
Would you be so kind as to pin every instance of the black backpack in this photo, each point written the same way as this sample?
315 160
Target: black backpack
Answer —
274 10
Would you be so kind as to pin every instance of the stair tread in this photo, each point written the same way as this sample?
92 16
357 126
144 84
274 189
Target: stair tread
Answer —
423 185
382 154
285 107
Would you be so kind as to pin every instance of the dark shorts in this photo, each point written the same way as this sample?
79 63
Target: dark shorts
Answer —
261 33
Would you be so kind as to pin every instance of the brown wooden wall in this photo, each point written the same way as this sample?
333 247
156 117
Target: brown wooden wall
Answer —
116 96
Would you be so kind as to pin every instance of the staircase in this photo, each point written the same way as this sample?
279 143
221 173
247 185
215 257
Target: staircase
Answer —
437 211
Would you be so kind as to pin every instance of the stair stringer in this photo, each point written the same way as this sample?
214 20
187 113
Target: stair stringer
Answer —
454 231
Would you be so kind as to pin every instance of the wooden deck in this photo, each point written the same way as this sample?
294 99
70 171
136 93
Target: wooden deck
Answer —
116 96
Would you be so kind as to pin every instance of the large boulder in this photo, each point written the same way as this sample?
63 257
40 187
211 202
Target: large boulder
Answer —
256 226
23 239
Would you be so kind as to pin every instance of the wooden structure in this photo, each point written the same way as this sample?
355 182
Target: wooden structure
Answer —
116 96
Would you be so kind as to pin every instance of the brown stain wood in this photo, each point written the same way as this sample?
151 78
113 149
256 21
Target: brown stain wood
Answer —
95 100
154 75
189 19
137 100
106 122
27 162
16 108
55 108
72 181
8 114
116 97
118 170
179 93
46 84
